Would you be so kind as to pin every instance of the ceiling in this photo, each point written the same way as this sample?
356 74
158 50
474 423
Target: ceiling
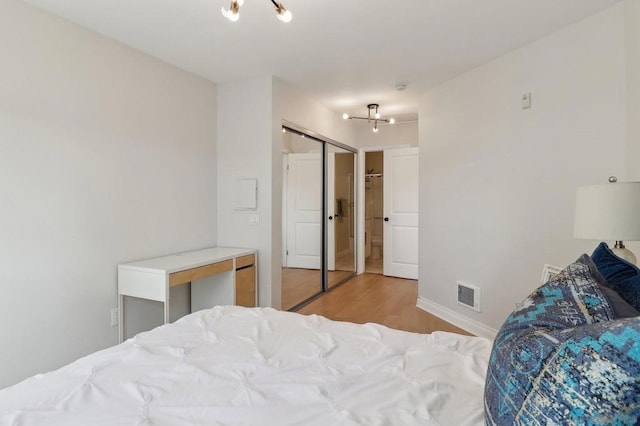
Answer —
343 53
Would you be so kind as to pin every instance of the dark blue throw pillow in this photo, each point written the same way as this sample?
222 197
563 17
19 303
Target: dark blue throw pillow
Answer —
621 276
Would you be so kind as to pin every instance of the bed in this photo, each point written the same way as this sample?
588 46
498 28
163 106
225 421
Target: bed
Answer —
250 366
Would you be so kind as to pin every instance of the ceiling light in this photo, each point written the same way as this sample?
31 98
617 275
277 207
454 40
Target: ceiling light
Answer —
372 115
233 13
283 14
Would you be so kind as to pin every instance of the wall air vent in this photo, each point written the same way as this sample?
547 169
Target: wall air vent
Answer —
469 295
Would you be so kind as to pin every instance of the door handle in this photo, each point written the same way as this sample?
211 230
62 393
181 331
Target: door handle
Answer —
330 217
386 219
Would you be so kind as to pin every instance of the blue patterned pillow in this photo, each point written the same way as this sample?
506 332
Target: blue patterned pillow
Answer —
621 276
560 359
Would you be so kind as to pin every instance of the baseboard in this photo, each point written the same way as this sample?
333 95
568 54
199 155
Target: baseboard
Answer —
453 317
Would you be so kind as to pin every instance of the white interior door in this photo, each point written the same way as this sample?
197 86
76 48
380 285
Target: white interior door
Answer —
304 210
331 211
400 227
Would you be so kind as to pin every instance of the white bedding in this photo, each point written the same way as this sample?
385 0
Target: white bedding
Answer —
232 365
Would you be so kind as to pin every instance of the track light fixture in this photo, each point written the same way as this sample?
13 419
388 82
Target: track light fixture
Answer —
233 13
372 116
281 12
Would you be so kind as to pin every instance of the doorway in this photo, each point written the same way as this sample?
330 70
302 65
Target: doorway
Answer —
388 234
318 215
373 212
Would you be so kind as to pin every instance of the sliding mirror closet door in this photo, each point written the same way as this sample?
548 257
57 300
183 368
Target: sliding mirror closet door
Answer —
318 215
302 213
341 256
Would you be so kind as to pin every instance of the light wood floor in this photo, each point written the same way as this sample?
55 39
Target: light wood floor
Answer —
373 265
383 300
300 284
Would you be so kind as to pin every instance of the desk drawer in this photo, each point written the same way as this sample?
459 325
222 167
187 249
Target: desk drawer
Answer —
243 261
246 287
183 277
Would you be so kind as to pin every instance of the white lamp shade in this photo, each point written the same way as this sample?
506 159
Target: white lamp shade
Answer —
609 211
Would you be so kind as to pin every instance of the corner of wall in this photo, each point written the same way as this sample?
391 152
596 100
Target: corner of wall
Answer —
632 56
244 142
497 182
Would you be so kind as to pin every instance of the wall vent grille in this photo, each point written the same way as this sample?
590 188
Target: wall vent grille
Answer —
469 295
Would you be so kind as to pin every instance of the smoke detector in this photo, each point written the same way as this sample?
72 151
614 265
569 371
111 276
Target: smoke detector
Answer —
400 86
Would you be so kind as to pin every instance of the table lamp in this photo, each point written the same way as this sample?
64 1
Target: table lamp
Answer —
610 211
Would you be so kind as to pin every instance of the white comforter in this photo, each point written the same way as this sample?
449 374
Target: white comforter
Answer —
232 365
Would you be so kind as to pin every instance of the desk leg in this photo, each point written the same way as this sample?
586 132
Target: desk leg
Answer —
166 311
120 318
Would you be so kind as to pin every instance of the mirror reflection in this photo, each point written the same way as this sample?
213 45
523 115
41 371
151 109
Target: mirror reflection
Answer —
301 219
318 221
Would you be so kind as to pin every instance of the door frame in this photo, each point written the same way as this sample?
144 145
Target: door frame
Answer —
330 162
360 200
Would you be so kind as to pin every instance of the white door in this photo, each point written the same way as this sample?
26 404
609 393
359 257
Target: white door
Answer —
331 211
304 210
400 226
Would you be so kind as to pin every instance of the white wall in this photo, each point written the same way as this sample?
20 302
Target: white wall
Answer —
106 155
497 183
632 56
388 135
632 46
244 151
250 144
291 104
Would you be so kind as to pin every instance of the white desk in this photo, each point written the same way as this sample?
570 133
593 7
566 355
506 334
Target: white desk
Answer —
218 276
